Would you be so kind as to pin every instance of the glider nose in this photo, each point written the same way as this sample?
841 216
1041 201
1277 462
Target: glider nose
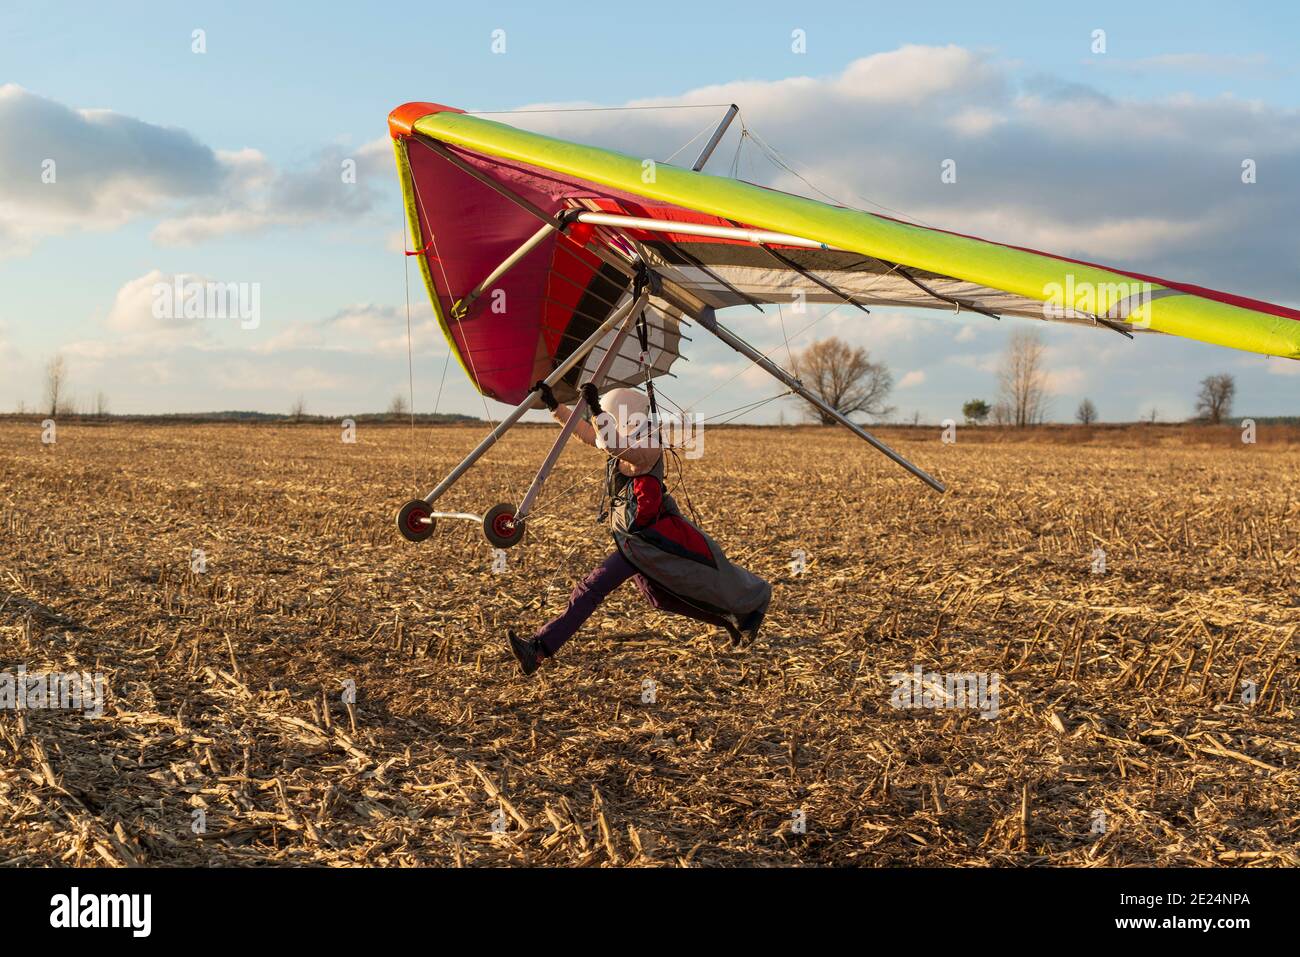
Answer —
402 119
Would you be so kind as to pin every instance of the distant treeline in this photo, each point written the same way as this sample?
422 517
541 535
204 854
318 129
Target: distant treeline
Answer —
268 417
454 418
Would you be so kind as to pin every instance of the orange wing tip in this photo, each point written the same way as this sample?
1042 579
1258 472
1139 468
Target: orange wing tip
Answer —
402 119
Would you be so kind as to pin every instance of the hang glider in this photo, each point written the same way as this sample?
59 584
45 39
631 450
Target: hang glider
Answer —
539 255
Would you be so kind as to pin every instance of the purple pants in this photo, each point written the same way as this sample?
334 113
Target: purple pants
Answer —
593 589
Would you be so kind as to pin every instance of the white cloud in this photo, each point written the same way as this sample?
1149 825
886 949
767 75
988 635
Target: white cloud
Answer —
976 121
65 169
756 378
257 197
236 373
986 362
363 329
146 318
313 379
912 75
915 377
1200 63
156 372
1153 185
296 335
1065 381
133 328
133 310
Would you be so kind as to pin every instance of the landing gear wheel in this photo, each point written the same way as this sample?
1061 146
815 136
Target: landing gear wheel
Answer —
414 520
500 527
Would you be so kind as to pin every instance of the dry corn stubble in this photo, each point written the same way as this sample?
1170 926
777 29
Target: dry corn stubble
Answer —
326 693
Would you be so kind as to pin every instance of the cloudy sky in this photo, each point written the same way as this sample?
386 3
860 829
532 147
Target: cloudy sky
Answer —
128 157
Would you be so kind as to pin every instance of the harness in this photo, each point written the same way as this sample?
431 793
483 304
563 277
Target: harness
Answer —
643 279
614 495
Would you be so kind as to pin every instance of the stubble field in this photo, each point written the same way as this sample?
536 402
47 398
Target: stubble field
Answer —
289 682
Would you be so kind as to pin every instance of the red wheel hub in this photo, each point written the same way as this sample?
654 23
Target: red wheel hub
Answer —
504 525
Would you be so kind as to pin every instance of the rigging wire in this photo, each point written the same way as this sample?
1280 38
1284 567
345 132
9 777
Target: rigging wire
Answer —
410 360
605 109
686 492
775 158
441 382
779 161
550 500
743 410
734 169
789 354
768 353
689 142
739 410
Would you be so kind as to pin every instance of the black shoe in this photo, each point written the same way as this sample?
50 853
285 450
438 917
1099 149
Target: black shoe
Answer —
731 624
751 623
529 653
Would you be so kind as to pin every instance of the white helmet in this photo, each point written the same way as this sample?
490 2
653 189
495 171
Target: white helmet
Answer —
626 422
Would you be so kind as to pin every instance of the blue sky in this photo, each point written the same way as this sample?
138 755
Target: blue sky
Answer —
228 175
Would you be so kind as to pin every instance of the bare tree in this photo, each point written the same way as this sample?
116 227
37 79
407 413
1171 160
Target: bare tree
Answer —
1087 412
299 409
101 405
398 407
844 378
1001 414
1023 380
1214 401
56 382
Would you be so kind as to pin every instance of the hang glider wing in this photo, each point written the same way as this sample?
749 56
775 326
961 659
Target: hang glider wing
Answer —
479 194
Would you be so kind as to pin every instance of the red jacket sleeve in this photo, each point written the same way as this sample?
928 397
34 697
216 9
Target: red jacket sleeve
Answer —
649 492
